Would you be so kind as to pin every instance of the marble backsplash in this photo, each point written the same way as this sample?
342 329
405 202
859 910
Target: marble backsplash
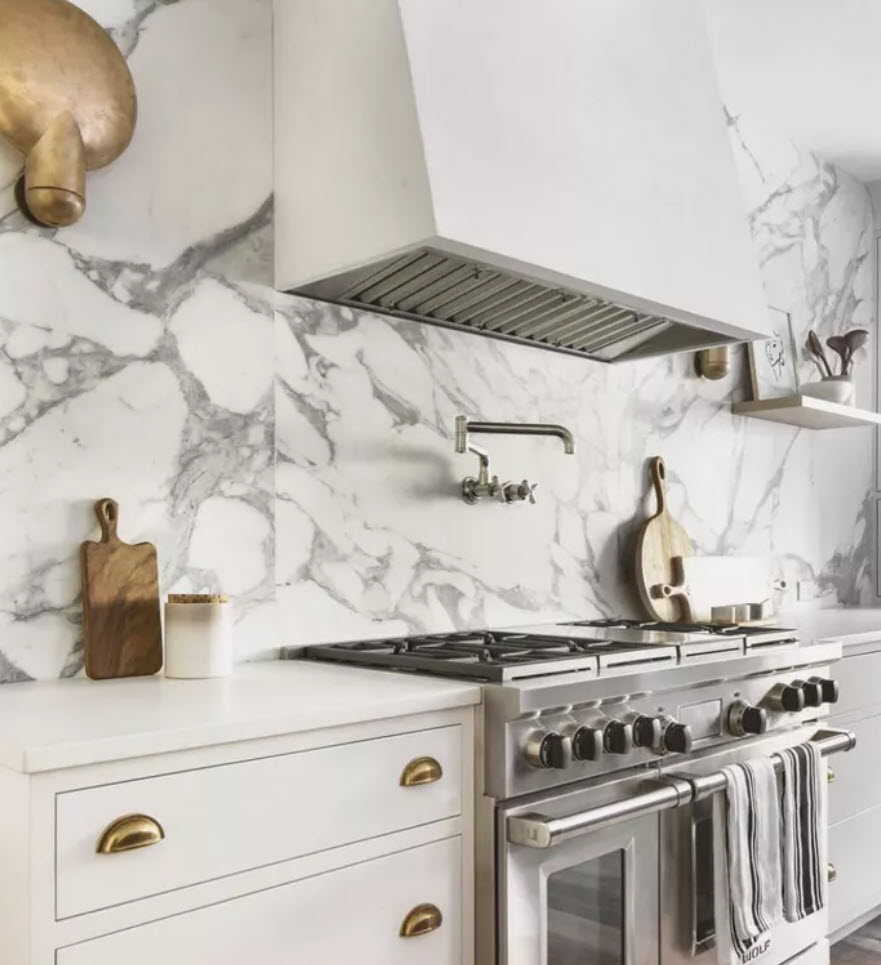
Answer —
136 347
299 456
373 538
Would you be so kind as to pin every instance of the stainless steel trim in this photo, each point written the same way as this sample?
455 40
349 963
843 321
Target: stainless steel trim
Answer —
541 831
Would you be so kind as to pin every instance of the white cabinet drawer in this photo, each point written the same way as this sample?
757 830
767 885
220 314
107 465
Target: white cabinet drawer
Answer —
855 853
349 916
857 784
226 819
858 678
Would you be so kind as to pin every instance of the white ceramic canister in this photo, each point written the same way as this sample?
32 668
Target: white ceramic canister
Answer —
198 635
837 388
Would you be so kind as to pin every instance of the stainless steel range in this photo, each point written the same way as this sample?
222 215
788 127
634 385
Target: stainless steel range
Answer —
598 765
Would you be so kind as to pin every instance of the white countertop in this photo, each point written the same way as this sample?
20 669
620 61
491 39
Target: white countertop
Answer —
67 723
848 625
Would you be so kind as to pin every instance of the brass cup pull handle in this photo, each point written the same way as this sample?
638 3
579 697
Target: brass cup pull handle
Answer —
421 920
831 873
129 833
421 770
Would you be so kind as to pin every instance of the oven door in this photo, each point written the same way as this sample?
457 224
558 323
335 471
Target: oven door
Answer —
593 898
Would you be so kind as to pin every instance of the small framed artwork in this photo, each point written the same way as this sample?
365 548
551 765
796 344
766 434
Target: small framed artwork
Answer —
773 362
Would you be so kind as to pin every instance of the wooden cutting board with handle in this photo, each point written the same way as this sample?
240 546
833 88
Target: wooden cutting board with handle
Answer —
123 633
661 541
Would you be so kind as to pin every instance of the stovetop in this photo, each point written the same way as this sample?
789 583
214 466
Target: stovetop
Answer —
595 647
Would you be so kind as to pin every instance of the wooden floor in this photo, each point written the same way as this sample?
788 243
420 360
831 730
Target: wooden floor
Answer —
863 947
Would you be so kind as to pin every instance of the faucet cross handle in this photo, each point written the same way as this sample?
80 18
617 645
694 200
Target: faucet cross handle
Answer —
515 492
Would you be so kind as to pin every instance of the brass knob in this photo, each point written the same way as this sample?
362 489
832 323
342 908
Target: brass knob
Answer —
129 833
421 920
831 873
421 770
830 775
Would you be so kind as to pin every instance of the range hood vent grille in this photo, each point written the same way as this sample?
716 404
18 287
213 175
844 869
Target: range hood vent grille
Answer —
432 286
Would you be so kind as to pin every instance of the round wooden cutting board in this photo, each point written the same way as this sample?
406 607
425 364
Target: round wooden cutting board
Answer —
660 541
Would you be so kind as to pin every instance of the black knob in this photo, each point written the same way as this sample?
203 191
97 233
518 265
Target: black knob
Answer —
792 699
556 751
828 689
646 731
587 744
617 738
785 697
744 718
677 738
813 692
754 720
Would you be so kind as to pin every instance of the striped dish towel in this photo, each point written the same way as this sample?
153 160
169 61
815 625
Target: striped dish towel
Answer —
753 824
803 802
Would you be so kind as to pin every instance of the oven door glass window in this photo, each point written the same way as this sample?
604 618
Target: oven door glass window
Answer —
589 900
586 912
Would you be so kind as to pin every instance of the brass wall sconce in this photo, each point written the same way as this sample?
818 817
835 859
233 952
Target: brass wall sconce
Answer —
67 102
713 363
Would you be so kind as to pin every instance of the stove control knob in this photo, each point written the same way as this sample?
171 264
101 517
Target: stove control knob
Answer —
548 749
617 737
829 689
587 744
676 738
813 692
744 718
646 731
785 697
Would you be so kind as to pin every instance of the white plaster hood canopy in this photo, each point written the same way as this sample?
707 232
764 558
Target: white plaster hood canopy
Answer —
554 172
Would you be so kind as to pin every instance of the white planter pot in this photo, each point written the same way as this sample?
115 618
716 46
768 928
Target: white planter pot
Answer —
838 389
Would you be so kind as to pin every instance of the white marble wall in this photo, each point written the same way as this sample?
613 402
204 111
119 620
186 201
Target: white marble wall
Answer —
373 537
134 360
303 462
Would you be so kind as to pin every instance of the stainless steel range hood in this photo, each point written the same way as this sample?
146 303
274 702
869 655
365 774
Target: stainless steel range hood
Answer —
556 173
431 286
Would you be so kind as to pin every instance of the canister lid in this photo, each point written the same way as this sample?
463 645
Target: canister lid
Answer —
197 598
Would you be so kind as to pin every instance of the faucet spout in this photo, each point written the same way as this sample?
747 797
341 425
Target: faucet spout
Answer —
464 427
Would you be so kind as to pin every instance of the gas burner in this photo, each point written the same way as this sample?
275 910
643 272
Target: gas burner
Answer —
482 655
683 627
751 634
604 647
501 655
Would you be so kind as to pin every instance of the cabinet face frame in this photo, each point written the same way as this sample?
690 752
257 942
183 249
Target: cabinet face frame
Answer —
33 825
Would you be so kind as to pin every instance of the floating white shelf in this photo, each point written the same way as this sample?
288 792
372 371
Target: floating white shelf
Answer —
808 413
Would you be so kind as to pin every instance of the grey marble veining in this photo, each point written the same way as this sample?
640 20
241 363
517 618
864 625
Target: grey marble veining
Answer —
373 538
299 456
136 348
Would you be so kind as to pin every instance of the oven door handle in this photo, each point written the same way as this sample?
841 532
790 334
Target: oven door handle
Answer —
543 831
